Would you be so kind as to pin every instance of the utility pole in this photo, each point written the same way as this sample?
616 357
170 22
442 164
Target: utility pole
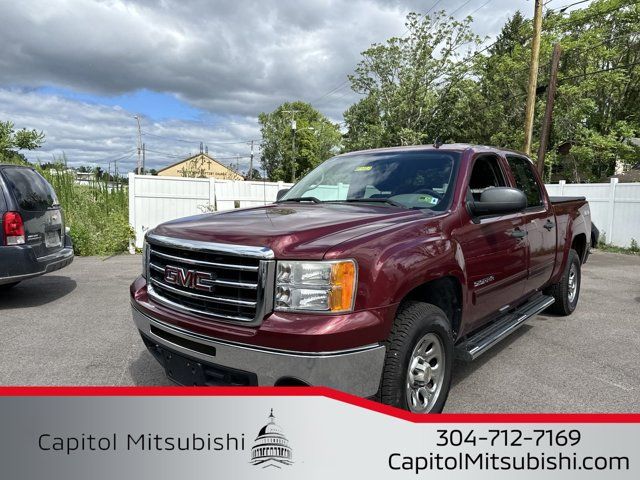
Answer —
139 164
293 143
533 77
251 162
548 111
144 159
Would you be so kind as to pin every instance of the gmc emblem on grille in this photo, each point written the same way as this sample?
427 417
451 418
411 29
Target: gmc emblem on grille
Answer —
183 277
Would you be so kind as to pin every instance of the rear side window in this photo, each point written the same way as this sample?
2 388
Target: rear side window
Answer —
526 180
30 190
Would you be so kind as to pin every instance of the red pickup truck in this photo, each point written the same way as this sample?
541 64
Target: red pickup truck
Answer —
370 275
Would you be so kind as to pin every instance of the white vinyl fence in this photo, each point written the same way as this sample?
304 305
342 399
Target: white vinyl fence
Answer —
153 200
615 207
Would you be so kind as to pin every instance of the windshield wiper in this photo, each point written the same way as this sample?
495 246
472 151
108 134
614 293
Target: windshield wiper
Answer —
301 199
388 201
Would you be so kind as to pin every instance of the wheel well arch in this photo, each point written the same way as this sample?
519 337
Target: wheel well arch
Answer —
445 293
579 244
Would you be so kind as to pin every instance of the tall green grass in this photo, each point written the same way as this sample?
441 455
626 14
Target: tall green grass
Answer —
97 215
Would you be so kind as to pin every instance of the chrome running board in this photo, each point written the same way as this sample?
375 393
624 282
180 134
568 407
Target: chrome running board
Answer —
474 346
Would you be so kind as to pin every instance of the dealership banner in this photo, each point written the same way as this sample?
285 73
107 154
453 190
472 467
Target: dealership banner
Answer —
292 433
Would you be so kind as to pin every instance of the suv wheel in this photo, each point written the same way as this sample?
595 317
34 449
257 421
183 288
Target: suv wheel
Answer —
567 290
419 358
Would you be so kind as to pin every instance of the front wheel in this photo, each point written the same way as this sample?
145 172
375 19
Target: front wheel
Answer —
419 359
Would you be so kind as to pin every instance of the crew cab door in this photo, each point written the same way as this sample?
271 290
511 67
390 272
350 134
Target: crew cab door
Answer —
494 248
539 222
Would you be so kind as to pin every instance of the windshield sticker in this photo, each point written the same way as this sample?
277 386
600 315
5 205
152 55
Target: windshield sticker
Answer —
428 199
363 168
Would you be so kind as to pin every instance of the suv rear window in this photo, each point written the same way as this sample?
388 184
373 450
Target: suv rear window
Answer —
30 190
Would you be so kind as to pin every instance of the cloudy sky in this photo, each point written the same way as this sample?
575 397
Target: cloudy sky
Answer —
193 71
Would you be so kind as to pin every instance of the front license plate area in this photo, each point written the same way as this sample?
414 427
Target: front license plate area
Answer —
52 239
183 370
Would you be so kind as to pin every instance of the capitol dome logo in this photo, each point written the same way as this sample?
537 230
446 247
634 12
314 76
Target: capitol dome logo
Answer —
271 447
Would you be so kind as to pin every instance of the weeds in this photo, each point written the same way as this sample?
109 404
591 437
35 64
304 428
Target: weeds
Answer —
97 215
603 246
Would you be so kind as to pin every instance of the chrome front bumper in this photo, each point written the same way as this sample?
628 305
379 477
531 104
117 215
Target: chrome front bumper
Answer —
355 371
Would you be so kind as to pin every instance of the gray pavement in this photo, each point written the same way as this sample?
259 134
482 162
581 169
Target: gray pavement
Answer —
73 327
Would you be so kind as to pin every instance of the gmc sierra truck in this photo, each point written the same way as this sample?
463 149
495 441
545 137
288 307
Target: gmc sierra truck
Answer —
370 275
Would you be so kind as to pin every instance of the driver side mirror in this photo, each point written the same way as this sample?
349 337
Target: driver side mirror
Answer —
281 193
499 200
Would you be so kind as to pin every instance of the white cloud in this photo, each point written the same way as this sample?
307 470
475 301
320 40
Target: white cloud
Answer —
96 134
230 59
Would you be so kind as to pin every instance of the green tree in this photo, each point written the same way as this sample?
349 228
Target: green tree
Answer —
413 92
254 174
12 141
289 154
598 101
408 82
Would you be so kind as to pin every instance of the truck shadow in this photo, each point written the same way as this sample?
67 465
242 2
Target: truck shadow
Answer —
462 369
37 292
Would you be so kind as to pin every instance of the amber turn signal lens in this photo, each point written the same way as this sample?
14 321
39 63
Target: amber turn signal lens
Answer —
343 284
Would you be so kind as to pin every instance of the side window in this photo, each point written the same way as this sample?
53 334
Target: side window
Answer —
486 174
526 180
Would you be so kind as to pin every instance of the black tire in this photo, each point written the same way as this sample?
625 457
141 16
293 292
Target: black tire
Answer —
7 286
414 321
564 305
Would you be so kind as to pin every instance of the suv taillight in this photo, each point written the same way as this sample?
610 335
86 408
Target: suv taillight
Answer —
13 228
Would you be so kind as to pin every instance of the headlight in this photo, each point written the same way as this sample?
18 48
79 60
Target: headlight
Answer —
145 259
327 286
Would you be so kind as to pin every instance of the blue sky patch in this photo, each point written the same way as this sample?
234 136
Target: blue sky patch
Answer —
154 105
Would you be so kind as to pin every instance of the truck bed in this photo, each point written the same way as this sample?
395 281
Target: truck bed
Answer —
558 199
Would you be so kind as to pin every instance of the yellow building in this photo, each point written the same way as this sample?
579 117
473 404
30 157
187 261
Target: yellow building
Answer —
200 166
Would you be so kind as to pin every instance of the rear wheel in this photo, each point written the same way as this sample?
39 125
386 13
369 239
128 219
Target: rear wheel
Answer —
567 291
7 286
418 363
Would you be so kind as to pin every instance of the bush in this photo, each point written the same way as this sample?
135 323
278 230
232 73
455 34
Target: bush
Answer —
97 215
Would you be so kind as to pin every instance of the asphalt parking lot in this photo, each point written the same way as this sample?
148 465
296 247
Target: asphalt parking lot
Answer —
73 327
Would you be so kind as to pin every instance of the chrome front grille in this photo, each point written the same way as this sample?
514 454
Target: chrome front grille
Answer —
218 281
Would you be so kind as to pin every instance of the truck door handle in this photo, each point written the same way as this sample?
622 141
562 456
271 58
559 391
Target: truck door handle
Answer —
518 233
549 225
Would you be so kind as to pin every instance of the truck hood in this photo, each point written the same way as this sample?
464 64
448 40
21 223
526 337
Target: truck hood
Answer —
291 230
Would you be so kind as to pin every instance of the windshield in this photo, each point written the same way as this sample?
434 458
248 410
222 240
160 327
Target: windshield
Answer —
420 179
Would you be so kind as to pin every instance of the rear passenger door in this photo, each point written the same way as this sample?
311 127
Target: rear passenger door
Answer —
38 206
494 249
539 222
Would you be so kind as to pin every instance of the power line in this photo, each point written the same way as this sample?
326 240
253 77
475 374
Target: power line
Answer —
460 8
183 140
596 72
562 9
480 7
184 157
578 20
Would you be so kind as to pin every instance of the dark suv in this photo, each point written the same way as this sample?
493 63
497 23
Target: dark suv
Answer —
33 240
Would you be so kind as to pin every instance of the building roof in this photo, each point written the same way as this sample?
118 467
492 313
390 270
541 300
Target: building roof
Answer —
209 157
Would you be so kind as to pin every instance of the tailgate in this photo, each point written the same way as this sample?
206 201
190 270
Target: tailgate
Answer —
38 206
